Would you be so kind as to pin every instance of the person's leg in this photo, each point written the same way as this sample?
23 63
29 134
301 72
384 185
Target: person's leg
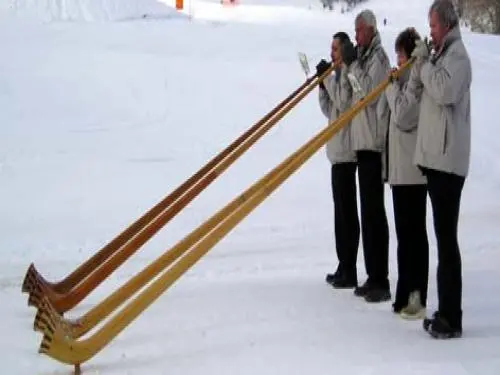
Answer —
347 229
413 247
401 225
374 226
445 191
417 195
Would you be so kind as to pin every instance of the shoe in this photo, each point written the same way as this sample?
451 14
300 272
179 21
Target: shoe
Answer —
362 290
331 277
439 328
414 310
345 282
376 295
428 321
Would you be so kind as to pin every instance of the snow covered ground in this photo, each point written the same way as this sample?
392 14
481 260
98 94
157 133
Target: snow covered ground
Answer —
106 106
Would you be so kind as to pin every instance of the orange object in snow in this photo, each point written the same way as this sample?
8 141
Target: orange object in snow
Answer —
179 4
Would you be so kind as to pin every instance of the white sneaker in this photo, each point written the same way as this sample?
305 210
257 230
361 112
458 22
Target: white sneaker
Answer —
414 310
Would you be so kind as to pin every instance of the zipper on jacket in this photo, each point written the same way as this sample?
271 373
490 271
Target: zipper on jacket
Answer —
445 140
386 172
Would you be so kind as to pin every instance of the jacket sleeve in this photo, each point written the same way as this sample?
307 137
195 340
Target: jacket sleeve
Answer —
325 99
404 107
378 71
342 92
382 106
414 85
447 82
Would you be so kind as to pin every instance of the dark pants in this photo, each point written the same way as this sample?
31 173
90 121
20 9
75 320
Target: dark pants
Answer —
410 207
445 191
346 216
374 227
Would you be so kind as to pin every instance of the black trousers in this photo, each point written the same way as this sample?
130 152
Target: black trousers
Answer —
410 208
445 191
346 216
374 227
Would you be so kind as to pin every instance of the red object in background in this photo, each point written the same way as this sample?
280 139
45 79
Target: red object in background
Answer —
228 2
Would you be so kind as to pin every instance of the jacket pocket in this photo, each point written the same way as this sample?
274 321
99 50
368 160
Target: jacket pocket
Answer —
436 123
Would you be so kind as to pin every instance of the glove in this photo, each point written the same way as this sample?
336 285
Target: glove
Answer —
321 68
422 49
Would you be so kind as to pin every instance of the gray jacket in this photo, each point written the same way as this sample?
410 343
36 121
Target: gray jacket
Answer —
443 141
403 108
370 69
336 99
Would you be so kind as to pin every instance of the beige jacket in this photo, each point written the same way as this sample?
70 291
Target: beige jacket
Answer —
333 100
444 131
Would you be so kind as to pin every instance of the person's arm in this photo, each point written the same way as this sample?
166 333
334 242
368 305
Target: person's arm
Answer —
325 99
342 93
447 82
404 107
377 72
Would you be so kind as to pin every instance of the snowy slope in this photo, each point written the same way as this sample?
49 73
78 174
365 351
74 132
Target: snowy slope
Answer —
100 119
89 10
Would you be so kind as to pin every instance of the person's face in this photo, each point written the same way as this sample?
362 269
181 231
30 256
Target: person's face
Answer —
438 31
336 51
401 57
364 33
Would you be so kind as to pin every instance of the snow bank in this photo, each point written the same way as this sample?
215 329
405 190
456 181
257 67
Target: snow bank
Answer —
91 10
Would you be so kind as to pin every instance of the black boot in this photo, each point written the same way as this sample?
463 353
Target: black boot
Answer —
439 328
377 294
362 290
347 280
332 277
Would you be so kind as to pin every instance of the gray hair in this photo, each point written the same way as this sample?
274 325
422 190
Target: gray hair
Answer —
368 17
446 13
